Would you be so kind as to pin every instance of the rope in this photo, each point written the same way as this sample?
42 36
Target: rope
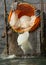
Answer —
6 25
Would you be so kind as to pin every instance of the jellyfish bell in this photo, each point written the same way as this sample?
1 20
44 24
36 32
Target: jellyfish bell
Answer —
24 12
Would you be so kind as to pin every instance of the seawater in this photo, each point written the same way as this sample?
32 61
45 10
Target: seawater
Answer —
31 61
